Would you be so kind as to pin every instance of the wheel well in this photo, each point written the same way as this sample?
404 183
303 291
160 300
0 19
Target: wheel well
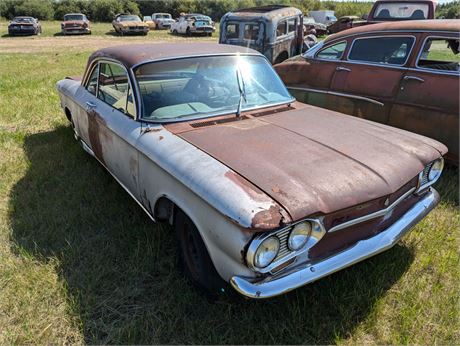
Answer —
68 114
281 57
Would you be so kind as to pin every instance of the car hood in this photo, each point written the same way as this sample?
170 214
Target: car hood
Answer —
133 24
311 160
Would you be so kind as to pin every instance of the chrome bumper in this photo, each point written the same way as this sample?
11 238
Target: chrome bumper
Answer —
309 272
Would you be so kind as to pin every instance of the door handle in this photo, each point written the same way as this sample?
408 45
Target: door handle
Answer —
345 69
418 79
90 106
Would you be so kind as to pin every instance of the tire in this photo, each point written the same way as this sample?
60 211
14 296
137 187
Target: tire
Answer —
188 32
174 32
194 260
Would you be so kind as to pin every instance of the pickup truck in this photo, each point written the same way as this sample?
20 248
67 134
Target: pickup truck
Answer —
388 11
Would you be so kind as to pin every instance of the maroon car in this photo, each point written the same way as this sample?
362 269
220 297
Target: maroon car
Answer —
404 74
75 23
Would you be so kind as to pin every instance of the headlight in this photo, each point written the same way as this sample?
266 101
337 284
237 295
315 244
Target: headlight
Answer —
266 252
436 170
299 236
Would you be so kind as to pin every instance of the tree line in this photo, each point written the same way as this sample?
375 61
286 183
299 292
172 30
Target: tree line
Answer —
105 10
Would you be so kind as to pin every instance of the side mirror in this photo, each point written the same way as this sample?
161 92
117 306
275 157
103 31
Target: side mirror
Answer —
365 16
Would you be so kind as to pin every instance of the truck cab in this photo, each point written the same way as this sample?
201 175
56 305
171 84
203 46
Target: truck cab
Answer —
395 10
275 31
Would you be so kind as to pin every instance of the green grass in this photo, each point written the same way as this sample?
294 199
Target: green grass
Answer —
80 262
53 29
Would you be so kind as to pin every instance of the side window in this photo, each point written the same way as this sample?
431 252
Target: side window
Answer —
114 88
333 52
251 31
440 54
291 25
382 50
92 82
281 28
233 31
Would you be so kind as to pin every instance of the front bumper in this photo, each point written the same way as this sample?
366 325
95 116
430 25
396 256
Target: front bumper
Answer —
308 272
202 29
76 31
22 31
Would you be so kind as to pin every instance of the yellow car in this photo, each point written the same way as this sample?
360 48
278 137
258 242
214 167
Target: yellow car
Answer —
129 24
149 21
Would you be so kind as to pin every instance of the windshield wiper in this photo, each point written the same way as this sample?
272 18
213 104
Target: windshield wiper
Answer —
242 89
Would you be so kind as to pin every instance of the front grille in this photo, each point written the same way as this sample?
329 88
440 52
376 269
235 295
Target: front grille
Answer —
284 249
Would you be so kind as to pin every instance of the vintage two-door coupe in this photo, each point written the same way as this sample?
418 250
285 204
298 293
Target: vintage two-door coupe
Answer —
125 24
404 74
263 192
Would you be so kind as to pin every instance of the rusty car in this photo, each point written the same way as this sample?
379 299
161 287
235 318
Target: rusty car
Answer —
276 31
388 11
75 23
150 22
24 26
125 24
262 192
404 74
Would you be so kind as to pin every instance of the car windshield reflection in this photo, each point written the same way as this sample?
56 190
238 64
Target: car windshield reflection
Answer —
206 86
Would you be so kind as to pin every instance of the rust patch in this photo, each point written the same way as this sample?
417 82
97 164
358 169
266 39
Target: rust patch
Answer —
94 133
161 138
267 219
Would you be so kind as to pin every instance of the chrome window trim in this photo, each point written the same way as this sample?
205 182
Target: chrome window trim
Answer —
140 118
113 61
87 81
328 46
374 215
380 63
258 239
383 32
424 69
362 98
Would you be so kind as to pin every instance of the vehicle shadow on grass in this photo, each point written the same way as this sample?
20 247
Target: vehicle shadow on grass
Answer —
120 269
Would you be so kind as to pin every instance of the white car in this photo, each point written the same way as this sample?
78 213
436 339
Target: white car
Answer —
193 24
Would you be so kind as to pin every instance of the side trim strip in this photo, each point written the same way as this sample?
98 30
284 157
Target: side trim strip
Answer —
362 98
371 216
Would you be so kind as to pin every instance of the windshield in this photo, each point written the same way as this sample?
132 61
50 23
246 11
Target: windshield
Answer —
402 10
130 19
165 16
73 17
147 18
23 20
207 86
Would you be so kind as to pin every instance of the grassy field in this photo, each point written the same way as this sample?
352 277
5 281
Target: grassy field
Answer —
80 262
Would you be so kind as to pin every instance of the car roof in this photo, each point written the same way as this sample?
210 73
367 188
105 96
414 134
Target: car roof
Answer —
133 54
403 25
268 12
24 17
74 14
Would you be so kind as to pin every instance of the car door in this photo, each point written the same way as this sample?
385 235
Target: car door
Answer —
428 97
367 81
109 126
310 81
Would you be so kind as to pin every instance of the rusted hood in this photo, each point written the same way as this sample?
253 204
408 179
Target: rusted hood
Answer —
72 22
312 160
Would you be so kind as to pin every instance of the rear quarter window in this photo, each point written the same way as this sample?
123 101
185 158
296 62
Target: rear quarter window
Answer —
382 50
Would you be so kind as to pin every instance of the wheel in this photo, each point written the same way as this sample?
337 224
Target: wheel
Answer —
188 32
194 259
174 32
210 34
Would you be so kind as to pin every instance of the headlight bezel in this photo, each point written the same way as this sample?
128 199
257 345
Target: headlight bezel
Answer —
318 231
297 228
424 180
